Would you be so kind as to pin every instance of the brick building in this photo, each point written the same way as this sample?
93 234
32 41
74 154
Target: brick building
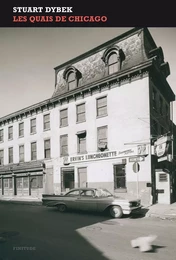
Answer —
100 128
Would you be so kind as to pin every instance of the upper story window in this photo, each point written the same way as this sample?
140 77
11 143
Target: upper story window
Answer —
161 105
113 58
21 129
72 76
34 151
63 145
113 64
81 141
1 135
46 122
21 153
154 99
64 117
47 149
10 132
80 113
11 155
102 138
33 126
1 157
102 106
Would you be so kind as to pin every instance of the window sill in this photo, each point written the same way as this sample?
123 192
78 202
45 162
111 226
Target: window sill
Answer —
120 190
10 139
78 122
65 155
61 126
21 136
33 133
101 116
44 130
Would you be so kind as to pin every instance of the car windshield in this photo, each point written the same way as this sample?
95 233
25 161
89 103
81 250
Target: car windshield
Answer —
102 193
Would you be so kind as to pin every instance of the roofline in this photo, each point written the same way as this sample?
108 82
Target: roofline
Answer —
99 47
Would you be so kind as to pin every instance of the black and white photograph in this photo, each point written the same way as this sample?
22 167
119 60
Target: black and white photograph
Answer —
87 140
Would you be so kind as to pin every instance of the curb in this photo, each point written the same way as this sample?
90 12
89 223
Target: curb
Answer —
163 217
32 203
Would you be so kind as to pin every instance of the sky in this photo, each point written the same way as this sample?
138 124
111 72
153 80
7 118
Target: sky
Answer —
28 57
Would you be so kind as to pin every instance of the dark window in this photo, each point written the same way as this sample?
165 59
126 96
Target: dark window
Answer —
11 155
21 129
1 135
47 148
113 64
21 153
80 113
119 177
10 132
64 145
46 122
34 151
161 105
154 99
33 126
102 140
1 157
101 106
81 142
64 117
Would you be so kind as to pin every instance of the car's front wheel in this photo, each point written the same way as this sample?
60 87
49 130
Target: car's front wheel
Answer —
116 212
62 208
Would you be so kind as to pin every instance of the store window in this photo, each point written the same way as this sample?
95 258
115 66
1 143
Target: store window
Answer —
119 177
36 181
67 178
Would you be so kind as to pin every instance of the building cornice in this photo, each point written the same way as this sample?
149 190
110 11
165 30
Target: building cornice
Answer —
109 81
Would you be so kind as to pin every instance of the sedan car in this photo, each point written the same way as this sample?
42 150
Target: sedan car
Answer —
92 199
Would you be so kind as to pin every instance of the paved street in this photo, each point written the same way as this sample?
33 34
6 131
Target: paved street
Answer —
36 232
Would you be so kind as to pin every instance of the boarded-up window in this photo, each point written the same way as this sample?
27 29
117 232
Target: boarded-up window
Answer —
36 181
64 145
82 177
63 117
80 113
102 106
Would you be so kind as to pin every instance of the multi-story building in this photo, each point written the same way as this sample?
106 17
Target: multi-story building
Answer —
100 128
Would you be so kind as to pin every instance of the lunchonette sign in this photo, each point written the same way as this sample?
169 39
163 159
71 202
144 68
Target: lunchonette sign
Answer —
135 151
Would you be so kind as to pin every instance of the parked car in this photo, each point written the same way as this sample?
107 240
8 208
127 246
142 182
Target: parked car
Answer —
92 199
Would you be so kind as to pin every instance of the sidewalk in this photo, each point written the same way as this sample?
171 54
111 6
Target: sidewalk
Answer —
162 211
21 200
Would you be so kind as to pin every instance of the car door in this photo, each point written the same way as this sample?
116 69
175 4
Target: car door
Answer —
71 199
87 200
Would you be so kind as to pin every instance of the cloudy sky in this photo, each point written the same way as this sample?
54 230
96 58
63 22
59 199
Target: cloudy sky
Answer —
28 57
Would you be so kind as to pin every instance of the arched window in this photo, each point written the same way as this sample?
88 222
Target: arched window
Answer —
71 81
113 58
72 76
113 65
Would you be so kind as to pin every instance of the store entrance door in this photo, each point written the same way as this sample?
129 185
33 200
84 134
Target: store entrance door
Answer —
67 179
